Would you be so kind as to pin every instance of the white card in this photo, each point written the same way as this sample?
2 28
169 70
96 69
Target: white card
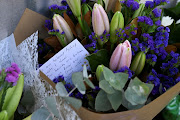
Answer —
67 61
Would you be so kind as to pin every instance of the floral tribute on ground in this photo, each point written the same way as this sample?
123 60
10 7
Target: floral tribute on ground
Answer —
130 58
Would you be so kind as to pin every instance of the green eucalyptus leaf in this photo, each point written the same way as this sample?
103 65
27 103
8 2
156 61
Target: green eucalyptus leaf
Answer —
99 58
76 103
103 84
108 74
89 83
78 81
41 114
129 106
137 92
122 78
51 103
102 103
61 89
115 99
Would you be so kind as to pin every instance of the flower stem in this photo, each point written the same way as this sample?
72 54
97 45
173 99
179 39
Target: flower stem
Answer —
71 91
112 47
81 24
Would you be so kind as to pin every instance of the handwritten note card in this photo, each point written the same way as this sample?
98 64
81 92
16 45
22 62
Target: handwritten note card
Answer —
67 61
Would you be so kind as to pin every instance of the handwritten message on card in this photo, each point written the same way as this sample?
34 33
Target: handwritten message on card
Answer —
67 61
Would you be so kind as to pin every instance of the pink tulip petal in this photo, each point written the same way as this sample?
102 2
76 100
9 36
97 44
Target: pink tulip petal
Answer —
97 20
115 58
66 28
105 18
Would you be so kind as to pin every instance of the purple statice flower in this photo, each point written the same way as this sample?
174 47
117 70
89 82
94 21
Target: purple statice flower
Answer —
149 4
157 12
140 19
58 79
143 46
79 95
92 45
158 22
136 41
134 5
134 44
63 2
126 70
157 2
57 7
178 79
43 48
48 24
127 28
133 33
153 57
146 20
12 73
171 66
153 78
83 1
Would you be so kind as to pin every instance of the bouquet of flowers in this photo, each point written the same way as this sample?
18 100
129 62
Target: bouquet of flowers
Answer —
11 88
130 59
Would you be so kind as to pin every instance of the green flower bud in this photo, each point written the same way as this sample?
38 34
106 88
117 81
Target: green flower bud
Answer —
99 71
4 115
75 6
116 23
138 63
139 11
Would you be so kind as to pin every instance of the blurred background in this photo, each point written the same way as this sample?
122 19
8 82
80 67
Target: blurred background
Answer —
12 10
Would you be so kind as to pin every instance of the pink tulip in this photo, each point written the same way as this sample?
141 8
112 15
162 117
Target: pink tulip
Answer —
60 24
100 20
121 56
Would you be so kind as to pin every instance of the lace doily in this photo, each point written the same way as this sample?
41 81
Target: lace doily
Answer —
28 62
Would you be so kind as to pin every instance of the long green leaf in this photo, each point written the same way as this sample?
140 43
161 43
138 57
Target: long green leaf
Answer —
11 102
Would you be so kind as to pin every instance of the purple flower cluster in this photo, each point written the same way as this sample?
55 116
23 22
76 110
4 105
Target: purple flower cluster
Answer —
57 7
167 74
157 12
134 5
123 36
105 36
158 23
12 73
170 67
153 4
48 24
92 45
146 20
59 79
43 48
135 45
126 70
151 59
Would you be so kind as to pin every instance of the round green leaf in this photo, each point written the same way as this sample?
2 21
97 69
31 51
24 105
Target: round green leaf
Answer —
102 103
78 81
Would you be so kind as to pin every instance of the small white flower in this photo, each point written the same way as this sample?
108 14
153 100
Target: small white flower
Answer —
178 21
166 21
